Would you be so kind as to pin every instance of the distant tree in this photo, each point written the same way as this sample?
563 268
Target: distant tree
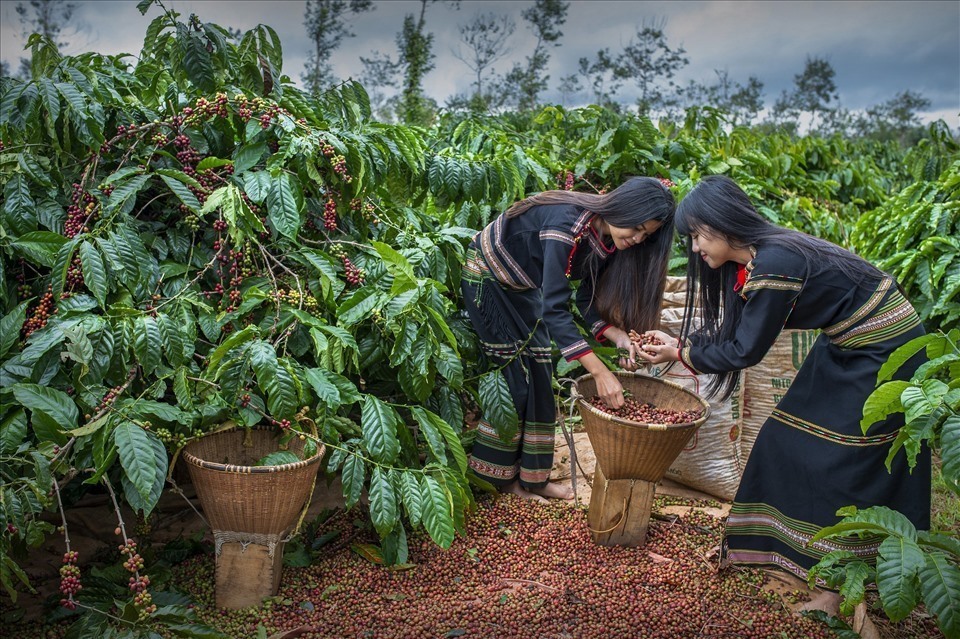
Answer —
784 112
603 76
896 119
742 103
836 121
650 62
416 61
326 23
4 69
526 81
486 38
569 85
814 89
380 72
46 17
746 102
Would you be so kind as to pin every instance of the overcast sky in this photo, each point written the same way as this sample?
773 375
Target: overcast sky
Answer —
877 48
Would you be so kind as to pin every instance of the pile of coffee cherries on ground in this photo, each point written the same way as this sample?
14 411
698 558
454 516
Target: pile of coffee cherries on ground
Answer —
524 570
636 411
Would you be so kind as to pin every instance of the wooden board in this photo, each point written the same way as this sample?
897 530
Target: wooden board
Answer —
619 510
247 576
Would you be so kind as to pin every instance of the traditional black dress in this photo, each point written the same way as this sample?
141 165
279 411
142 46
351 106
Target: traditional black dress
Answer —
516 289
811 457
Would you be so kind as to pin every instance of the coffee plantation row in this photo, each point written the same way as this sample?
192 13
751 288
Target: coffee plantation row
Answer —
193 241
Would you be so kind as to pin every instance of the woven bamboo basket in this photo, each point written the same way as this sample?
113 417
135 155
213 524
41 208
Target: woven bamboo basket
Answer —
632 450
239 497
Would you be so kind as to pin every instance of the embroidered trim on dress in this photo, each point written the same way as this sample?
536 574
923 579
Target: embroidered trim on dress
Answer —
753 518
686 361
896 317
580 347
492 249
824 433
494 470
771 281
863 311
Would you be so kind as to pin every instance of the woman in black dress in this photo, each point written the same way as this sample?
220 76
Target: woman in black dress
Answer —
747 280
517 291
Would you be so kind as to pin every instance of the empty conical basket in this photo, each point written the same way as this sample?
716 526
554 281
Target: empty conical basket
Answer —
240 497
632 450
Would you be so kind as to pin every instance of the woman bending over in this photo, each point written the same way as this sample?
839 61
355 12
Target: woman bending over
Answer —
747 280
517 290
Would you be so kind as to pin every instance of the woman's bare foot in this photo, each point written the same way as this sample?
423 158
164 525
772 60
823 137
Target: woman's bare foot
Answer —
553 491
516 489
825 600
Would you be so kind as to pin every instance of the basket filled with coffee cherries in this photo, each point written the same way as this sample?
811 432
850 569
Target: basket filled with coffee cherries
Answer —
643 437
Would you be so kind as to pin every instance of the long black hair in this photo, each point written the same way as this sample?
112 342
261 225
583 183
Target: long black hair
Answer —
719 208
629 288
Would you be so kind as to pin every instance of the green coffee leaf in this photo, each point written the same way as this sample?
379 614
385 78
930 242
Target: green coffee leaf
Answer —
144 462
379 423
383 502
437 512
496 401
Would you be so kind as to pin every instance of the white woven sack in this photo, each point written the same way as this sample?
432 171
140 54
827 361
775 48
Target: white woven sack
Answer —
765 384
711 461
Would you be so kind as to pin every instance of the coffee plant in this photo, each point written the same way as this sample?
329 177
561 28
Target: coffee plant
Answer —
194 240
189 240
915 234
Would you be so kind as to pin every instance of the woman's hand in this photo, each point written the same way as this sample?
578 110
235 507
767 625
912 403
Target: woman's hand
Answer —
623 341
667 351
608 386
609 389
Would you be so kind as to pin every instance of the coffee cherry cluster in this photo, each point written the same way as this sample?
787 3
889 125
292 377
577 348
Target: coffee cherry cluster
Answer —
74 280
187 155
134 561
81 212
330 215
207 109
294 298
38 318
173 441
340 168
354 275
23 289
69 579
244 112
107 400
645 413
238 265
666 182
138 583
365 209
565 180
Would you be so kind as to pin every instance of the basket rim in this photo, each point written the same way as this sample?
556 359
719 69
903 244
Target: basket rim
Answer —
583 403
252 470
